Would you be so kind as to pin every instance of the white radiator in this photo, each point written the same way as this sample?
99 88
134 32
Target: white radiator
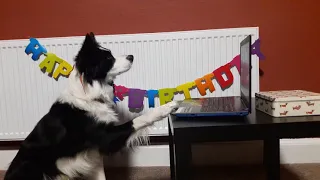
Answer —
162 60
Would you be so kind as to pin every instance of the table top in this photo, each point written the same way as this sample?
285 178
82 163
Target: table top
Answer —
255 118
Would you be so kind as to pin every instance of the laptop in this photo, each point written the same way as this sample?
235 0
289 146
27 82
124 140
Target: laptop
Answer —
224 106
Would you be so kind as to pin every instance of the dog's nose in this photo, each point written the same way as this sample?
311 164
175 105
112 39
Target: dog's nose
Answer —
130 58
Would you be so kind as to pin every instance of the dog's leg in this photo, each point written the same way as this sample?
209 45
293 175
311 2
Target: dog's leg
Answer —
151 117
99 173
110 139
83 164
140 123
125 116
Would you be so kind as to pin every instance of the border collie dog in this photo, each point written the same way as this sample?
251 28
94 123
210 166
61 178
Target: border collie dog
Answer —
83 124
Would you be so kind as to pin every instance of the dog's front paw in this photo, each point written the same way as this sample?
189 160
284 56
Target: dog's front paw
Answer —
155 115
172 105
168 108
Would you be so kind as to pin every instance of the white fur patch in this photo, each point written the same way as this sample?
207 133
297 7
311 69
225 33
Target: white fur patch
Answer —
83 98
138 138
84 163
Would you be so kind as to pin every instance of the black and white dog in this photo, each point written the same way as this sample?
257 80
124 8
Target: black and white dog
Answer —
83 125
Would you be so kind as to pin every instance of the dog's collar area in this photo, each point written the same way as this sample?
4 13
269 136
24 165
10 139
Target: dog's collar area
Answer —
111 83
100 100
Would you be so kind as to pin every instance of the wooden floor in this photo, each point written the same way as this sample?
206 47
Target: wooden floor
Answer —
288 172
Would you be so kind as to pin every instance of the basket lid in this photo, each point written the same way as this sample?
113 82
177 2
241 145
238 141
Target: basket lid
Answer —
289 95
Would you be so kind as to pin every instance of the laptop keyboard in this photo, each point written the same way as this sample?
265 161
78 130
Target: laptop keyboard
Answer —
219 104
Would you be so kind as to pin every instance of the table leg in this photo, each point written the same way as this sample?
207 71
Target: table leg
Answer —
271 158
183 157
172 156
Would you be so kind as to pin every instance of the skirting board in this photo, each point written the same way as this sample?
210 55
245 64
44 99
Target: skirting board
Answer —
231 153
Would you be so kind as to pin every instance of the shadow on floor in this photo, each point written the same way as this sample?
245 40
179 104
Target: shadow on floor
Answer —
288 172
241 173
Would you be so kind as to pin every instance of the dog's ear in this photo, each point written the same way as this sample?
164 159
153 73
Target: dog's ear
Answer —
90 40
92 35
87 52
91 60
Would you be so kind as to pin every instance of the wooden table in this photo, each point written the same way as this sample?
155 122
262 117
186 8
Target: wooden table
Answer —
257 126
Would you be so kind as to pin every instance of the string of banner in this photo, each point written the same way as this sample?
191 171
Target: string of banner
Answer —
136 96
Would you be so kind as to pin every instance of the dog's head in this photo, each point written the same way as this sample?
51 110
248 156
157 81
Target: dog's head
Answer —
96 63
95 70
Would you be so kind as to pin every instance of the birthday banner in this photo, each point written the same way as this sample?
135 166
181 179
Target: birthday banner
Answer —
49 63
136 96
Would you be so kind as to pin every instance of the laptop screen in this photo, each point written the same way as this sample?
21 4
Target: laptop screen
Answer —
245 72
